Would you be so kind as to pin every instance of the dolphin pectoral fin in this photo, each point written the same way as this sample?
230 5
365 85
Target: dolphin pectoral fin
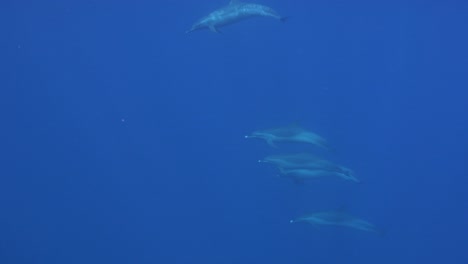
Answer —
324 145
271 143
282 170
214 29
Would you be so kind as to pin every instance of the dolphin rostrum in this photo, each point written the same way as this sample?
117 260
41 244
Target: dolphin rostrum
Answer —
289 134
235 11
338 218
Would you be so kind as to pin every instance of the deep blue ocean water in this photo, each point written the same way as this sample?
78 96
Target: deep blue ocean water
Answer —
123 137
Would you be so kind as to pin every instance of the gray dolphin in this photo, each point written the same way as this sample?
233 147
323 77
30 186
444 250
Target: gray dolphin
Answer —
304 161
289 134
301 175
337 218
235 11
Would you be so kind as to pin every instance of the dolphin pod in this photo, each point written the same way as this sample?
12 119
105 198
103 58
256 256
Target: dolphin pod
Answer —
298 167
301 167
337 218
234 12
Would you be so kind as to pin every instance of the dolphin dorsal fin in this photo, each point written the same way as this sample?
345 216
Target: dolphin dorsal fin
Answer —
234 2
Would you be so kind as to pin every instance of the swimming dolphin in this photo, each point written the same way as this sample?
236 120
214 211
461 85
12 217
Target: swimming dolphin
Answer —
289 134
337 218
235 11
301 175
304 161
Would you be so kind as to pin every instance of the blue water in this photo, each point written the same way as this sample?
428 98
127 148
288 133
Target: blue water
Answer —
123 138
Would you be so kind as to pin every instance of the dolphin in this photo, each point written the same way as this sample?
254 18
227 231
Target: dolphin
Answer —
301 175
289 134
235 11
337 218
304 161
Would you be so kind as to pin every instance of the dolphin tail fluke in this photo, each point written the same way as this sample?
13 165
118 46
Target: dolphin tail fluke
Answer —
354 179
381 232
282 170
284 19
350 178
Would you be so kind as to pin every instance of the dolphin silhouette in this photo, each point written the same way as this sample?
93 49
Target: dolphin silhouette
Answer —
301 175
289 134
235 11
337 218
304 161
